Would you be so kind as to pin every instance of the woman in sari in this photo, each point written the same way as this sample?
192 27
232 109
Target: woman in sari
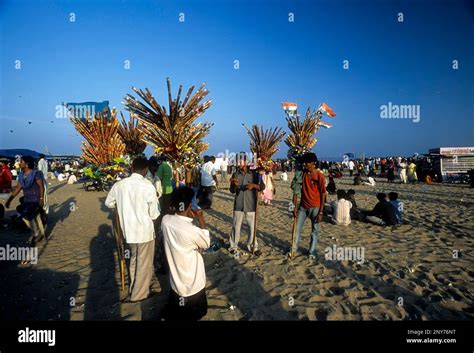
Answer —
412 177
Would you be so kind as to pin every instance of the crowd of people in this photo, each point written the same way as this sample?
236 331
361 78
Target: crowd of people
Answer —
159 200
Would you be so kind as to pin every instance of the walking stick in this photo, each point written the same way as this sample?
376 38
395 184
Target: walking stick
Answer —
255 226
293 238
120 249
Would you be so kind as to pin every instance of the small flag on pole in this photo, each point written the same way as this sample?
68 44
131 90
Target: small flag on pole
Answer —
324 108
324 125
289 106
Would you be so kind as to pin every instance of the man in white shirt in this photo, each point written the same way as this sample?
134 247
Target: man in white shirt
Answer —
137 206
341 214
183 242
284 176
43 166
208 181
72 179
351 167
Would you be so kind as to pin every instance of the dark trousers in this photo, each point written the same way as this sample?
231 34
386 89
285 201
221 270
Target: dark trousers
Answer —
190 308
165 204
206 196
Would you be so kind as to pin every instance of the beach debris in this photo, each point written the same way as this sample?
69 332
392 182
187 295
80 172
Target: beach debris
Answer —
257 272
411 269
291 207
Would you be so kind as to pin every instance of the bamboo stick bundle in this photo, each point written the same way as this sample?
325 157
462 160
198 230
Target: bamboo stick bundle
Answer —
171 132
264 143
103 142
131 136
301 138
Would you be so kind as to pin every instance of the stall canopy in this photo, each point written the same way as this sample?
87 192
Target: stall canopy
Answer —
12 153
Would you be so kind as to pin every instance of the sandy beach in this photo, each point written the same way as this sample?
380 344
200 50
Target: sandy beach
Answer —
408 273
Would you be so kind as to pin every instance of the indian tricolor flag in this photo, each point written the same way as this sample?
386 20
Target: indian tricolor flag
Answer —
324 108
289 107
324 125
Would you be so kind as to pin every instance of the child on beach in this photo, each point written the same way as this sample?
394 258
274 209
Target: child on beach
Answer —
393 197
384 213
268 192
341 209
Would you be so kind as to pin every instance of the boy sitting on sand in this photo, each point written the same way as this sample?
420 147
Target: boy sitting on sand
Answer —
393 197
341 209
384 213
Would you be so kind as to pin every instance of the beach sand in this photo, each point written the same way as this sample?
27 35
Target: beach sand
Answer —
410 273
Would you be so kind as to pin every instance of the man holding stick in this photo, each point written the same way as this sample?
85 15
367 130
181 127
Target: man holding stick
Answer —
245 184
313 197
137 206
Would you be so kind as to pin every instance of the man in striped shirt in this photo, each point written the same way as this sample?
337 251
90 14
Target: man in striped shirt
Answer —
341 209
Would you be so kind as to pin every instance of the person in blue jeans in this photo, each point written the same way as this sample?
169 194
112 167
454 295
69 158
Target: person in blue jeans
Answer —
311 188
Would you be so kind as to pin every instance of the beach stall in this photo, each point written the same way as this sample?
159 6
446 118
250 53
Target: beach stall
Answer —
451 163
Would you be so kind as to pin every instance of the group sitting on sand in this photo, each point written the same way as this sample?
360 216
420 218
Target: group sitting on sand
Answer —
385 213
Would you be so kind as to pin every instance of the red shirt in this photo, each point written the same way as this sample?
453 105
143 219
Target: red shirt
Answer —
5 179
314 185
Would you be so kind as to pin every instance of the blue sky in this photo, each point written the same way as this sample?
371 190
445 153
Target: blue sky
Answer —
406 63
